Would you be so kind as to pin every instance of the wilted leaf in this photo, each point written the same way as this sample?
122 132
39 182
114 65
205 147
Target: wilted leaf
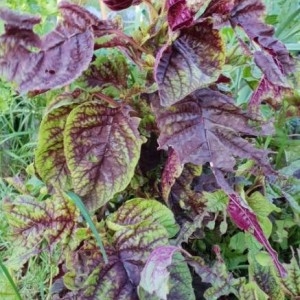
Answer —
62 54
172 170
102 148
206 127
156 276
53 220
179 14
194 60
138 210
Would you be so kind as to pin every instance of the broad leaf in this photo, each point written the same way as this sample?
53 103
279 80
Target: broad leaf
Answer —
90 278
102 148
61 55
206 127
271 70
267 279
138 210
156 278
248 14
179 14
50 161
194 60
52 221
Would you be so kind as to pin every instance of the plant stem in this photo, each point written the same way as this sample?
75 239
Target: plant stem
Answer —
107 99
128 39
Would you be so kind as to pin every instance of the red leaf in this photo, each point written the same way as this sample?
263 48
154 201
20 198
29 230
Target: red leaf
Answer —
246 220
179 15
172 170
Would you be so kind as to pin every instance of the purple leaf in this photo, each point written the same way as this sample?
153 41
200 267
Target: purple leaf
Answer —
172 170
102 148
62 54
207 127
247 220
219 7
120 4
155 274
135 230
179 15
266 91
270 69
192 61
248 15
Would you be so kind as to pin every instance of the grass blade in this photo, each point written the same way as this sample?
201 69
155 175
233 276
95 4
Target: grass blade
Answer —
11 281
76 199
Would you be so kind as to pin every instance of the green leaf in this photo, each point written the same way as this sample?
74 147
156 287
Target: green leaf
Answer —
261 205
223 282
216 201
102 148
292 281
251 291
50 161
266 278
140 211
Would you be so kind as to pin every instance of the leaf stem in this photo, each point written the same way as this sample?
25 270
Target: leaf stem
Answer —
107 99
103 10
128 39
